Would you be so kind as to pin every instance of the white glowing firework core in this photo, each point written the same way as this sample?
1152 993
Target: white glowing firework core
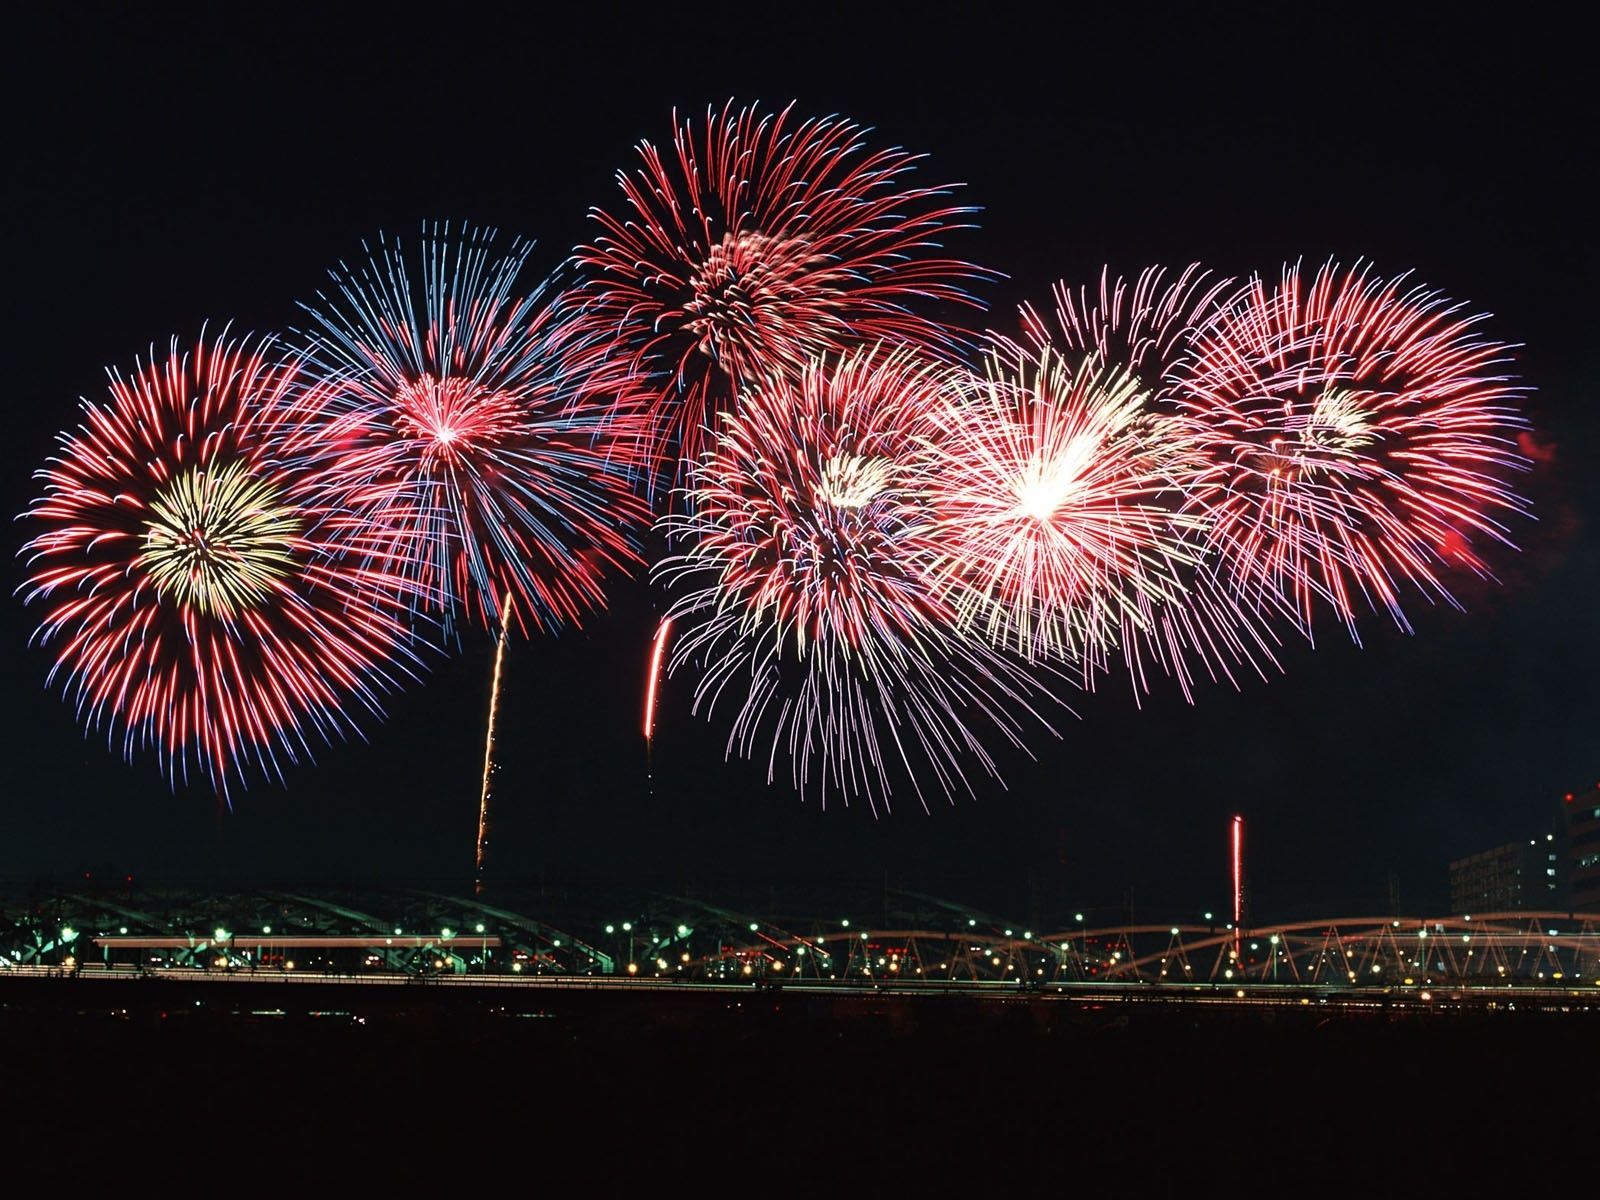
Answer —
1047 484
850 481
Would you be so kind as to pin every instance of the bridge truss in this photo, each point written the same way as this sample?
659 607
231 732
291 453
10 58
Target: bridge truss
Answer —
924 941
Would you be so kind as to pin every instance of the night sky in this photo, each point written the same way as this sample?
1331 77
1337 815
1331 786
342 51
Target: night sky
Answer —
166 169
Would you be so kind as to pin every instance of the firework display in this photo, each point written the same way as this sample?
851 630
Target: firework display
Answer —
894 542
1365 432
503 424
758 242
806 585
207 594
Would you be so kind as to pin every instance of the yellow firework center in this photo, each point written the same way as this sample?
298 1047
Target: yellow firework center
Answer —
1338 427
1339 422
218 539
850 481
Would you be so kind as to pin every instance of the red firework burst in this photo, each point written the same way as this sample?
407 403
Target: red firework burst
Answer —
208 594
757 245
809 597
1365 431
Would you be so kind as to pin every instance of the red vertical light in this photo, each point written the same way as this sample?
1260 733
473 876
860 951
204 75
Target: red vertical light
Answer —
1238 881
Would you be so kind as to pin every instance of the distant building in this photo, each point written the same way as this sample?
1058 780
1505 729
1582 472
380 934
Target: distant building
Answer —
1581 830
1514 877
1558 870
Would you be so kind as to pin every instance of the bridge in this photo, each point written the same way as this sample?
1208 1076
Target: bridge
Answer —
918 942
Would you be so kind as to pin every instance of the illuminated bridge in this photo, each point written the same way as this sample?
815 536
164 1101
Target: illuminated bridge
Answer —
918 942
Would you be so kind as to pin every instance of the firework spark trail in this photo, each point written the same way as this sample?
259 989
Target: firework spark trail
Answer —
804 597
757 244
488 748
209 590
1364 432
658 645
1142 326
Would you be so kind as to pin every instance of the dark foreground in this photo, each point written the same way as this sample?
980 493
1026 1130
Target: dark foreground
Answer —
782 1091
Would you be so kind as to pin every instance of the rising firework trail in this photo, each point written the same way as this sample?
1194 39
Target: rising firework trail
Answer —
213 596
658 645
1365 432
1237 832
758 242
488 751
503 422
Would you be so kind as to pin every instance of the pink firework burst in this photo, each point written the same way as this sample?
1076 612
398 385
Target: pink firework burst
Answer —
1365 430
806 596
499 418
1056 494
1191 625
207 591
759 243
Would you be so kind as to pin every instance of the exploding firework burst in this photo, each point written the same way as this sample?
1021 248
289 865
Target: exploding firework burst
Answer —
1367 432
207 592
1143 326
1055 494
805 587
502 424
758 244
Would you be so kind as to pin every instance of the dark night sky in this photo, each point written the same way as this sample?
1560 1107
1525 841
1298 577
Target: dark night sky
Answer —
166 169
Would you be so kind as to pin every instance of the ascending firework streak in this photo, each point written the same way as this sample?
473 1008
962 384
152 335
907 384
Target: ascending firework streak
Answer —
808 599
1364 432
211 593
758 243
503 422
488 747
658 645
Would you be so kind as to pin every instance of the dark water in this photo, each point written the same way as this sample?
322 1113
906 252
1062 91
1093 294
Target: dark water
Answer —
780 1092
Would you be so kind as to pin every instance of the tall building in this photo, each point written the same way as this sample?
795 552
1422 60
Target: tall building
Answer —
1519 876
1581 821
